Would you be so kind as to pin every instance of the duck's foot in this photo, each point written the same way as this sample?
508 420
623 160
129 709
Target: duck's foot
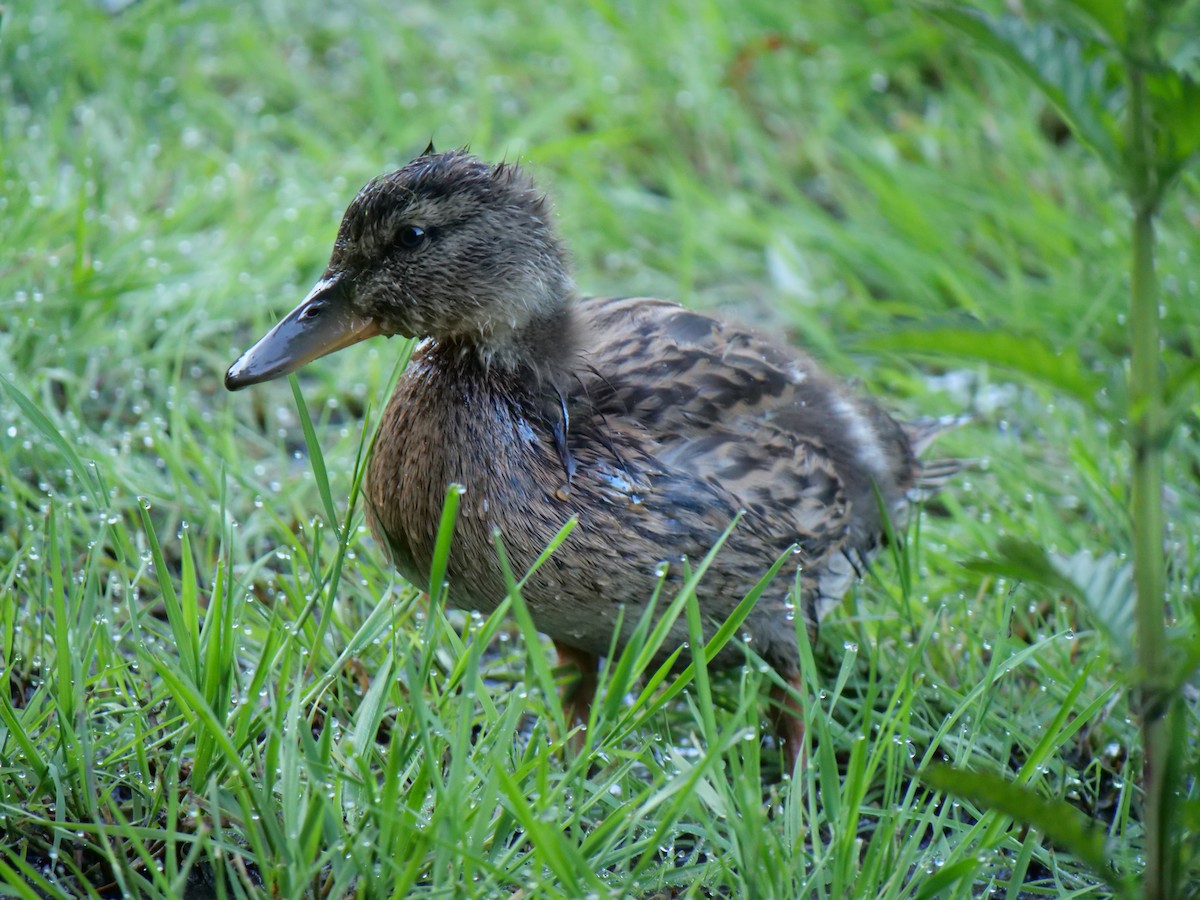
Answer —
787 717
579 692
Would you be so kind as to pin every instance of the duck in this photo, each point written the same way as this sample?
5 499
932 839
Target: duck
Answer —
651 426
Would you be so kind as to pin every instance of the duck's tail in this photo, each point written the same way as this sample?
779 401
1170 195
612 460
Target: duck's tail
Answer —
924 431
934 473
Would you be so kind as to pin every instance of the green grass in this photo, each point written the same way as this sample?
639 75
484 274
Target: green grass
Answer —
213 678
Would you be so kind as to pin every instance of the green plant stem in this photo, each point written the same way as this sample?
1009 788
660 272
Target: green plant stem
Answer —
1147 558
1147 440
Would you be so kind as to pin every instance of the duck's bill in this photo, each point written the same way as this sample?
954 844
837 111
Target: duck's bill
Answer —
324 322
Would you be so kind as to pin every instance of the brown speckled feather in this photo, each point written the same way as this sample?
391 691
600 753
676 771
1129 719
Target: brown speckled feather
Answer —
675 423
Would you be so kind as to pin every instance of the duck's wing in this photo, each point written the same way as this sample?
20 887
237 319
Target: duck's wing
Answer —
796 448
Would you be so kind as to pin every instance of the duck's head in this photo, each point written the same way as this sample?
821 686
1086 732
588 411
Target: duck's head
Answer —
447 247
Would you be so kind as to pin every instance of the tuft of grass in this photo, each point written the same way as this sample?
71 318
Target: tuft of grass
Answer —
212 680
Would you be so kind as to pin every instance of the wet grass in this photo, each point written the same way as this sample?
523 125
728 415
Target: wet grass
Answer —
214 681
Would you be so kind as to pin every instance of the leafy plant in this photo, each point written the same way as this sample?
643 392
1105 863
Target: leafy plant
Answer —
1103 66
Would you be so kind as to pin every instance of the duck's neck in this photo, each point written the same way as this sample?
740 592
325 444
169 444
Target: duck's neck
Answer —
543 350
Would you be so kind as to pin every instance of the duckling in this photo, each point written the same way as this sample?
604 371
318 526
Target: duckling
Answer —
652 425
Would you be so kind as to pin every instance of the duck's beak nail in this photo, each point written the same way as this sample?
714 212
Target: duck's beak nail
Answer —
324 322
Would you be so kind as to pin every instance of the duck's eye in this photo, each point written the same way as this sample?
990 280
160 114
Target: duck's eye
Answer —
410 237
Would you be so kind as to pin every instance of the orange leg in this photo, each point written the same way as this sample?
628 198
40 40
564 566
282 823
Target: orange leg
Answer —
578 694
787 717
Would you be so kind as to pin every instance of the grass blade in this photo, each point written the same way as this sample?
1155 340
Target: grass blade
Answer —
316 456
